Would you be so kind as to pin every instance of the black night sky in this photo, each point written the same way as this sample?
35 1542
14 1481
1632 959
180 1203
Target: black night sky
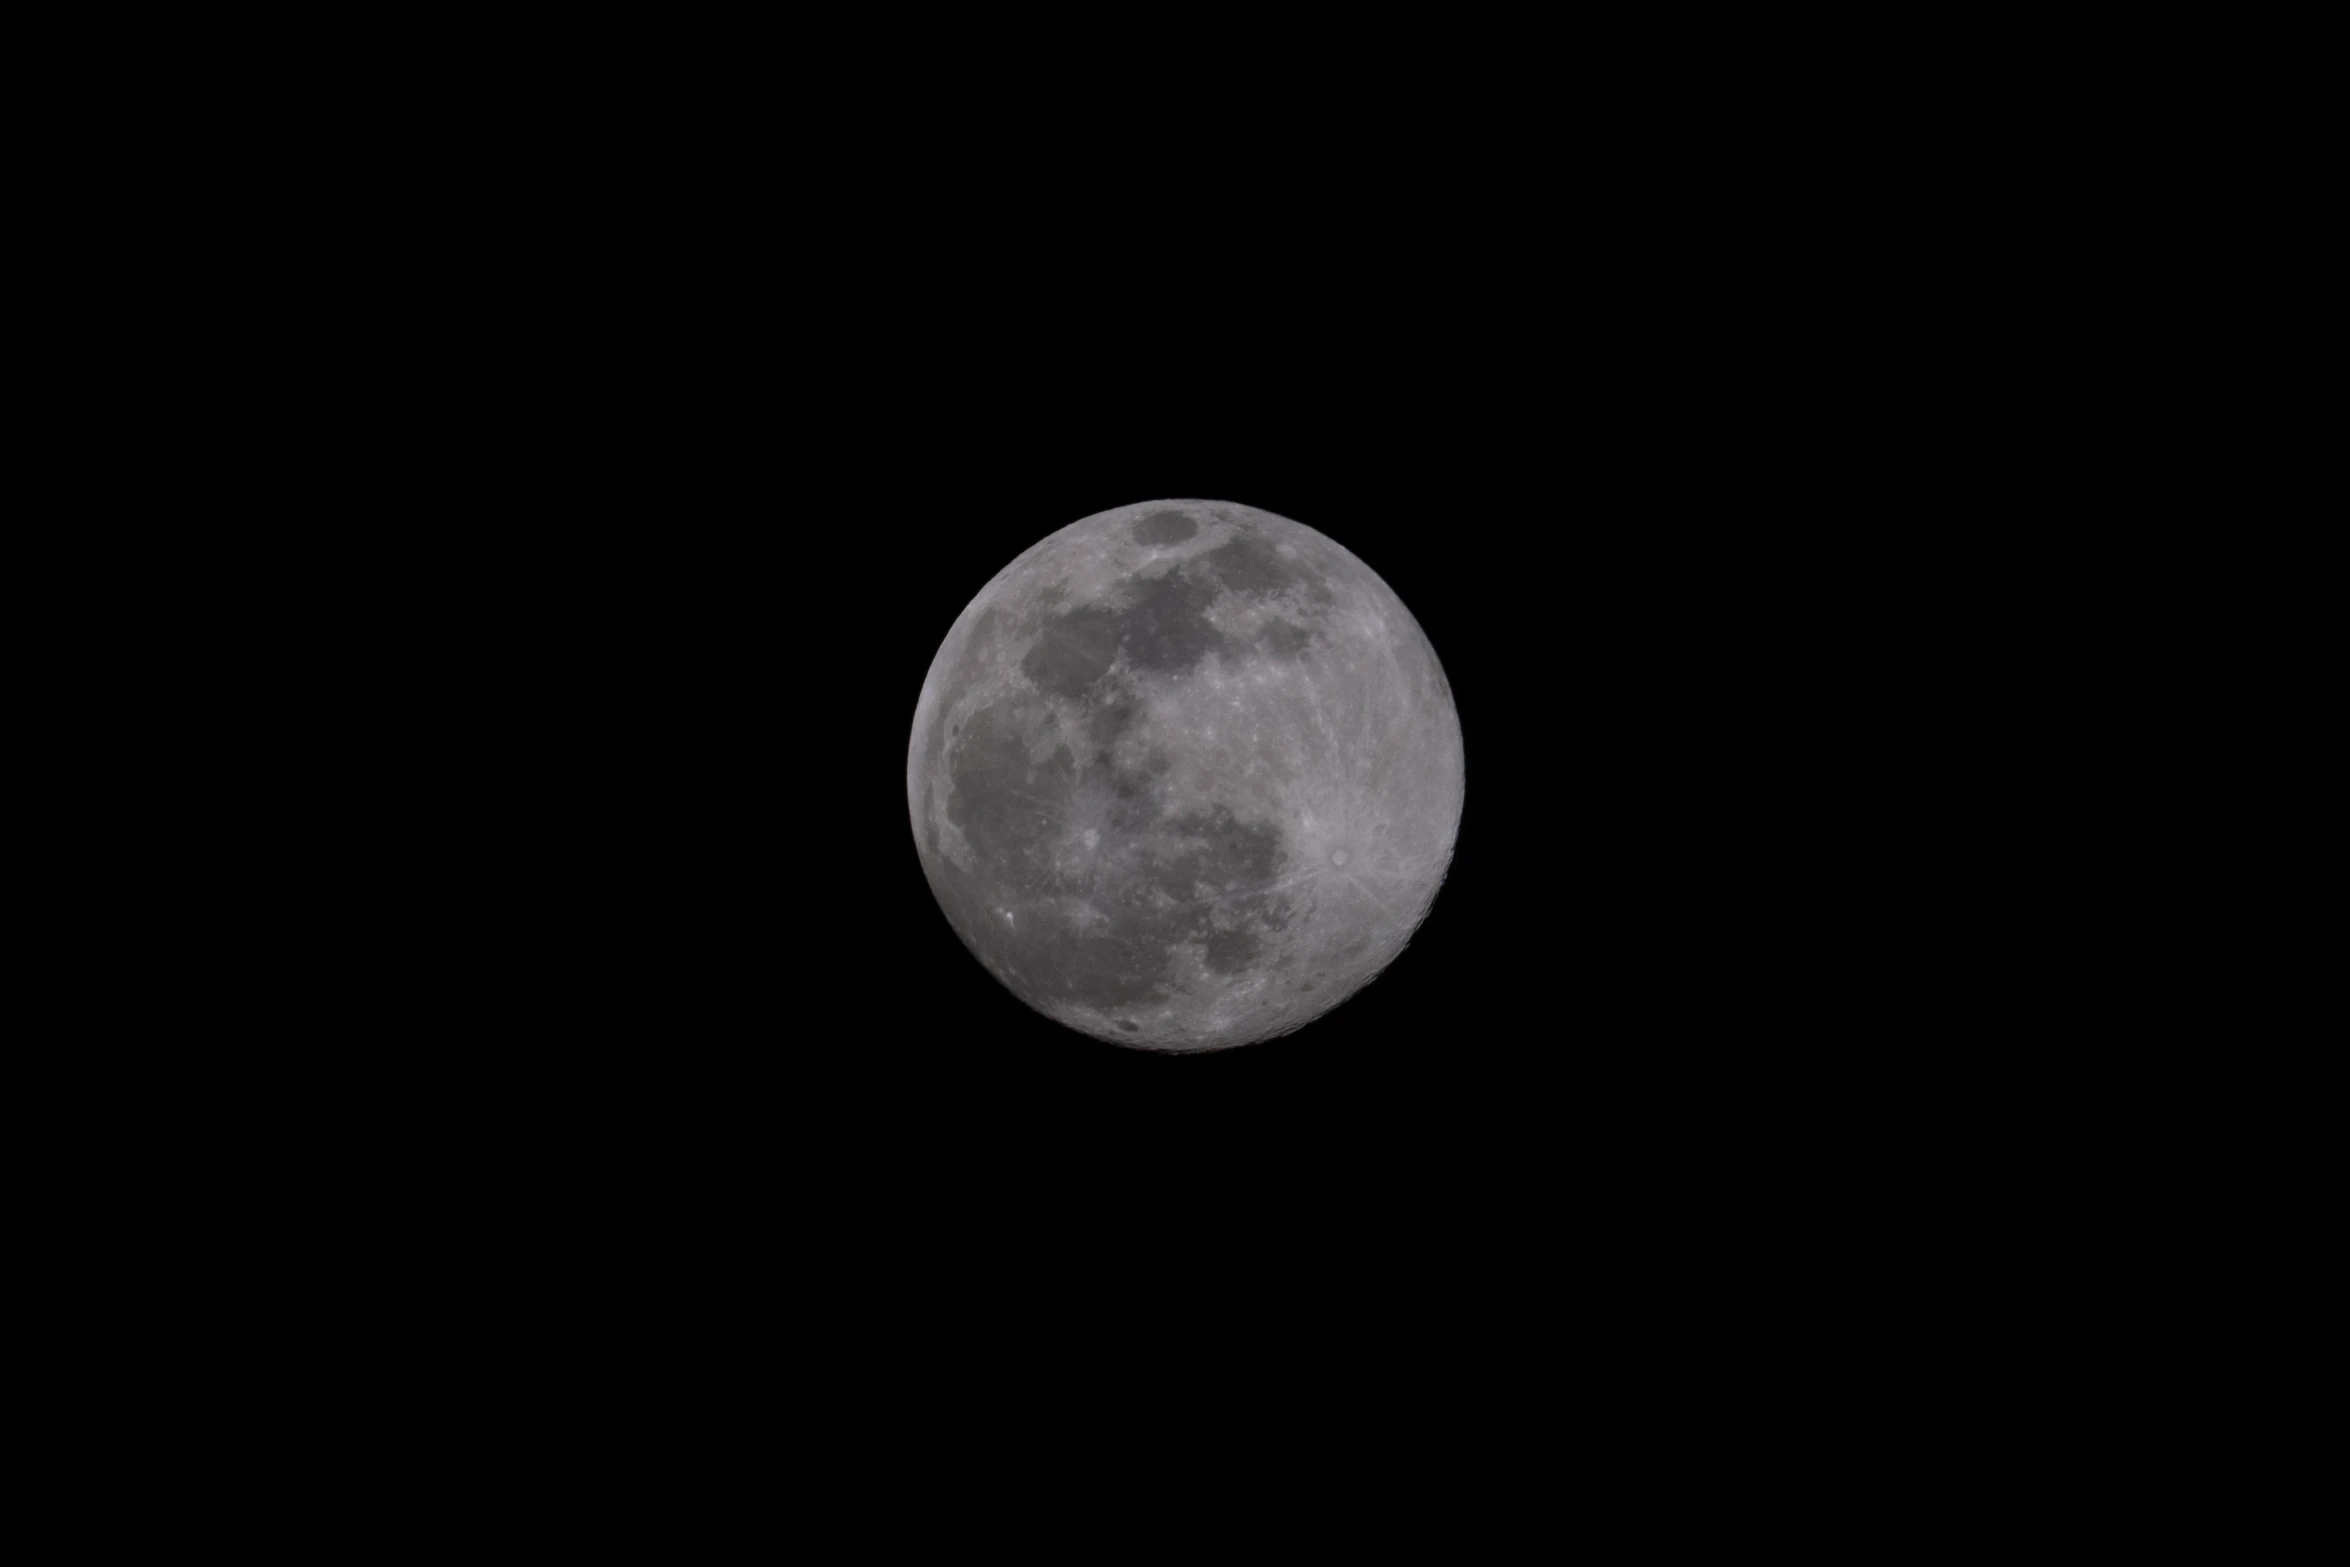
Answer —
1655 563
627 1037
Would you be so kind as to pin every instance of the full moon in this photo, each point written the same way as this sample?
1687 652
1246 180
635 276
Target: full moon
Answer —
1185 775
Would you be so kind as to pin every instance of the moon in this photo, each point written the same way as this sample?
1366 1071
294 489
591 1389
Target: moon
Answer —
1185 775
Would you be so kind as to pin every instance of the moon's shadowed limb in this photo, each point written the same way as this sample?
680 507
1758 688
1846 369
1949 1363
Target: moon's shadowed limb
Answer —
1185 775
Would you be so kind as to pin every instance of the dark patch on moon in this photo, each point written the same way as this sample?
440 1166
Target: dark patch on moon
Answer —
1073 650
1055 960
1102 931
1247 564
1231 951
1165 527
1004 803
1230 850
1163 627
976 651
1134 803
1130 1026
1285 640
1166 628
1113 718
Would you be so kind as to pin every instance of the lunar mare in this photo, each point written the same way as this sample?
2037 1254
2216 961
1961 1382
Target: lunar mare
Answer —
1185 775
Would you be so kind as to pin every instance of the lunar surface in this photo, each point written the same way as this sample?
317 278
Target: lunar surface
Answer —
1185 775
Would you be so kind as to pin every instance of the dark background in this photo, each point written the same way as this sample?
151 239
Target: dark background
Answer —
1654 959
626 1041
692 507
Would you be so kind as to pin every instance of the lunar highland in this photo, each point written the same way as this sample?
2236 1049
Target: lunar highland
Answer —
1185 775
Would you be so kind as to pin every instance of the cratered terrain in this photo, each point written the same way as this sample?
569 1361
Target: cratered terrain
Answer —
1185 775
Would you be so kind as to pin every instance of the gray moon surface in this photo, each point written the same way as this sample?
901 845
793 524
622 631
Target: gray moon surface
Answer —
1185 775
